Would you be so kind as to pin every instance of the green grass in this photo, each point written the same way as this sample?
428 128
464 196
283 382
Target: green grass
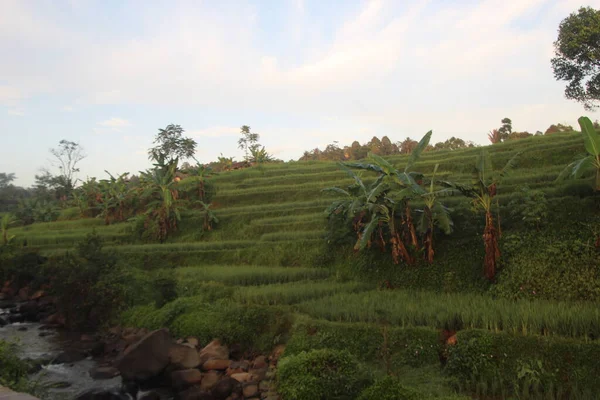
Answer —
460 311
295 292
247 275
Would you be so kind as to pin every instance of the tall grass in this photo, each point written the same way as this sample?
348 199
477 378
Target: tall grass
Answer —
247 275
295 292
460 311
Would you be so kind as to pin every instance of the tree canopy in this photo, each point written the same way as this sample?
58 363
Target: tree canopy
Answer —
171 145
577 56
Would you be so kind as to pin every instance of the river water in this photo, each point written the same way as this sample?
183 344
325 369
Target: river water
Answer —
73 376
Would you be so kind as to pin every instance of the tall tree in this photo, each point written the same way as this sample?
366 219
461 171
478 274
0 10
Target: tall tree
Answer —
247 141
66 157
171 145
577 56
506 128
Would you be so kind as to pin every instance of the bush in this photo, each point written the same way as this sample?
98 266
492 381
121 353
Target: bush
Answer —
390 348
389 389
14 371
512 365
323 374
89 285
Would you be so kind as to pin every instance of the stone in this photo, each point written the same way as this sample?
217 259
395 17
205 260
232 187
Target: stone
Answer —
100 394
104 373
215 364
146 358
150 395
209 380
97 349
45 333
54 319
243 377
183 357
214 350
260 362
225 388
22 328
195 393
68 357
38 295
243 365
277 352
250 390
264 386
23 293
193 341
259 374
185 378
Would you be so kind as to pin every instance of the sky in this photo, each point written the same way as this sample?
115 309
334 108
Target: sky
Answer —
302 73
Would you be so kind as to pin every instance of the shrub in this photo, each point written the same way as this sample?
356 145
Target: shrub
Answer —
89 285
512 365
323 374
13 373
388 389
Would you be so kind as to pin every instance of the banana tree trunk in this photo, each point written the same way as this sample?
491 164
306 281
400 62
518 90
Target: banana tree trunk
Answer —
411 228
428 239
492 250
399 251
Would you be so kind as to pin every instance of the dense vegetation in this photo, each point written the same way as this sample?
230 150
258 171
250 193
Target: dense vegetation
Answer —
379 274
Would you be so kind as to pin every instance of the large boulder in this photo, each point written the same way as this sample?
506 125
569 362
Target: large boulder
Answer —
225 388
146 358
183 357
214 351
195 393
185 378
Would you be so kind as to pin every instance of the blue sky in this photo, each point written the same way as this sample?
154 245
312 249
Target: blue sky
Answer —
302 73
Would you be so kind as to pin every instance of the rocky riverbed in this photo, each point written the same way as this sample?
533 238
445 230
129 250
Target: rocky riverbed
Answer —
127 363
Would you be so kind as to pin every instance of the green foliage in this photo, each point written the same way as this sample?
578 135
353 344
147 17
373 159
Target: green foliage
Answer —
389 388
14 371
590 163
577 57
528 366
89 285
320 375
171 145
531 207
460 311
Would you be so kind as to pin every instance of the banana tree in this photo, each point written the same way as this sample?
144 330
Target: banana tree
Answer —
160 191
590 163
433 214
197 178
5 222
482 192
209 217
404 182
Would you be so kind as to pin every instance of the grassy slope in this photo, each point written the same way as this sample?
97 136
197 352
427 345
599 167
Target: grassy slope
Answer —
270 239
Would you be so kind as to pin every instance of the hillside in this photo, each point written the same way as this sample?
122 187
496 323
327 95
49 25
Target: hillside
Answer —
268 257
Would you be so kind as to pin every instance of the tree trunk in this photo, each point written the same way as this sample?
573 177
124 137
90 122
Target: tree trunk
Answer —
411 228
399 251
492 251
428 238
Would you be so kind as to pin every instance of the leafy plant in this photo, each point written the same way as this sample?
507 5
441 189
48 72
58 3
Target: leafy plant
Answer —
589 163
6 221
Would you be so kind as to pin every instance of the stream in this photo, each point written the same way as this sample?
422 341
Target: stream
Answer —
70 378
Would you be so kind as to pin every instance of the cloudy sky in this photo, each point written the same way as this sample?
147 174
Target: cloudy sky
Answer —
302 73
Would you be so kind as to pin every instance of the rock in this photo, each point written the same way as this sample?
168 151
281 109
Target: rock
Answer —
54 319
151 395
104 372
215 364
225 388
209 380
183 357
277 352
243 377
214 350
193 341
195 393
250 390
243 365
100 394
86 338
16 318
22 328
131 339
46 333
23 293
3 322
68 357
259 374
115 330
97 349
235 352
260 362
37 295
264 386
60 385
146 358
185 378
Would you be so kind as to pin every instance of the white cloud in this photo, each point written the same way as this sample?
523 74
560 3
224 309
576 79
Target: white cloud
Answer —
16 113
115 123
68 109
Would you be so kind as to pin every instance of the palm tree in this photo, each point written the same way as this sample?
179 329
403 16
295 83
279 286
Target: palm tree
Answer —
160 188
5 222
434 214
589 163
482 192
